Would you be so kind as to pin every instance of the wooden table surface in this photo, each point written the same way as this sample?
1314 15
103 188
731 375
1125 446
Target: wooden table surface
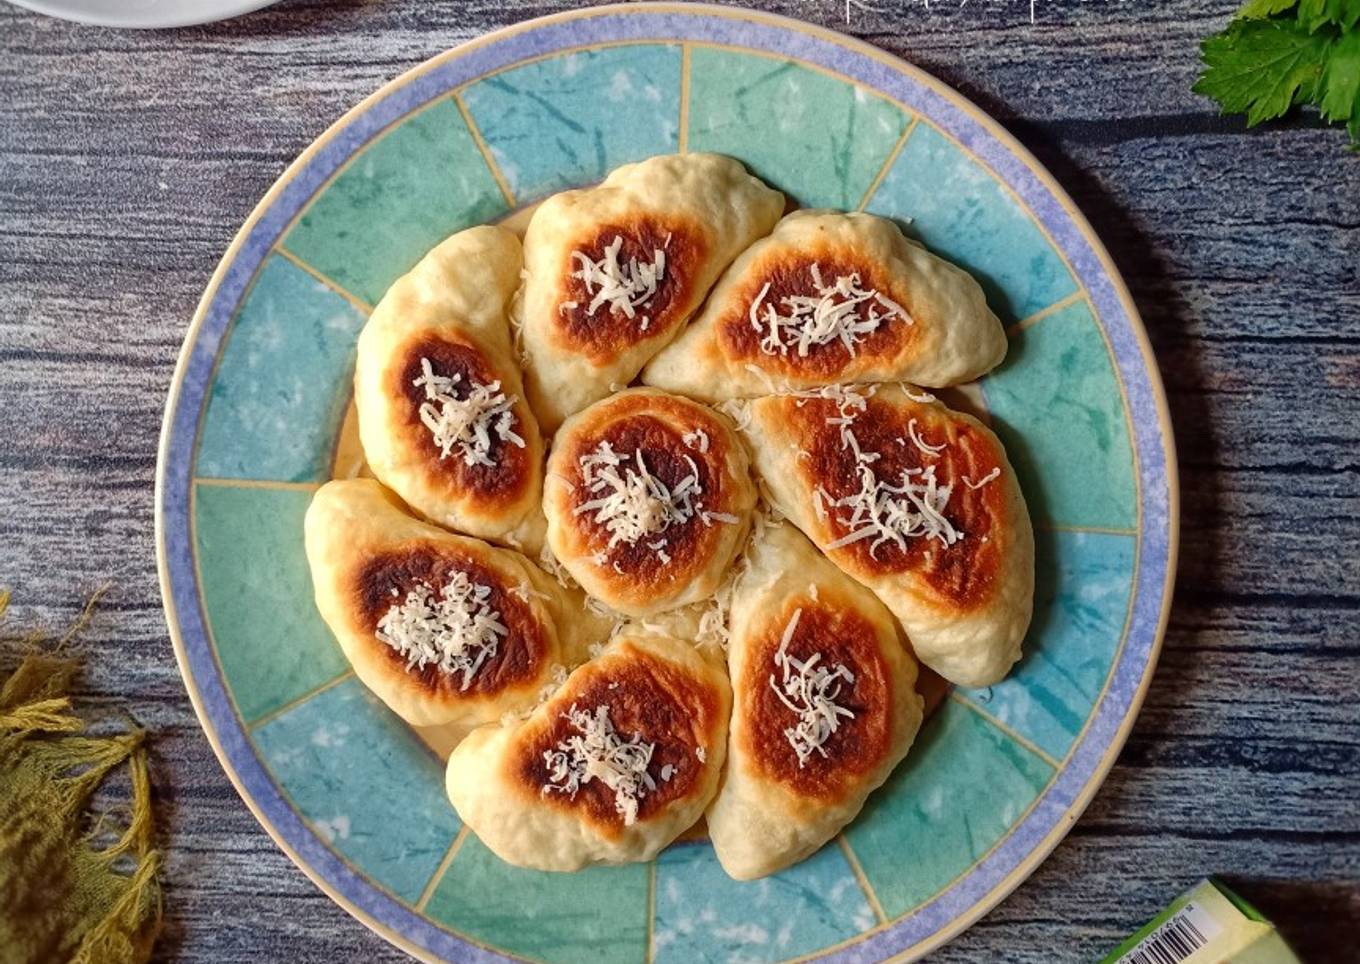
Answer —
128 160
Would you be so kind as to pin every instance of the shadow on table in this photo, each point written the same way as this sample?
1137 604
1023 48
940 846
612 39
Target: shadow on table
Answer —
1309 915
1171 330
169 820
1312 916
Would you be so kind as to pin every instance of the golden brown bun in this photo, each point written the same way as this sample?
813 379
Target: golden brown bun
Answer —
965 606
450 312
685 561
701 210
952 335
361 547
653 688
772 809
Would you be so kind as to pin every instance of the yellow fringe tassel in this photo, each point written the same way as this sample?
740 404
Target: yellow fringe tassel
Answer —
62 897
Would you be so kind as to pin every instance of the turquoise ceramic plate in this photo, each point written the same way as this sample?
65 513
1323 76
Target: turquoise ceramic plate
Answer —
256 420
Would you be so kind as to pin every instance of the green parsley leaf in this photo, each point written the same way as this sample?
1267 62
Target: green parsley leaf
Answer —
1279 53
1316 14
1262 67
1260 9
1341 84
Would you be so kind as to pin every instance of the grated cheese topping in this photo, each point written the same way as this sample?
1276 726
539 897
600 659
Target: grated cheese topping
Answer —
921 443
850 402
843 311
697 439
989 477
632 503
659 547
885 511
549 562
524 592
712 630
457 630
623 287
738 410
597 752
555 680
809 690
628 500
467 423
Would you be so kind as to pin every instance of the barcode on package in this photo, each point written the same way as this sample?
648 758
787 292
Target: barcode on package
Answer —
1185 932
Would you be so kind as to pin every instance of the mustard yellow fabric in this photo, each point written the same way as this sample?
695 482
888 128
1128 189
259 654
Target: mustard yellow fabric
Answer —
74 886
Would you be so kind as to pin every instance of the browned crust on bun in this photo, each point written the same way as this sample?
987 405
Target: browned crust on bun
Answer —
647 697
488 488
608 331
840 636
388 575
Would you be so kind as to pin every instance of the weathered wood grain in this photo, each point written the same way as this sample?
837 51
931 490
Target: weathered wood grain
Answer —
128 160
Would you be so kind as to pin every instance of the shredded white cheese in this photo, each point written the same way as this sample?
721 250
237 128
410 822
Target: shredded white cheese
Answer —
850 402
524 592
457 630
738 410
701 753
697 439
548 562
623 287
555 680
843 311
921 443
990 476
596 608
885 512
597 752
466 422
712 628
820 500
659 547
632 503
628 500
809 691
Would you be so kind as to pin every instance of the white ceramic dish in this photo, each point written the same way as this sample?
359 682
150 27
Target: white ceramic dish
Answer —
143 14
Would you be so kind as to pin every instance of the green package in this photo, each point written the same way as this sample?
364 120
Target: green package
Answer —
1208 924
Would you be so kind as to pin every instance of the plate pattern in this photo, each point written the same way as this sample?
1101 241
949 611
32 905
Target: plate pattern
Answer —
256 411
